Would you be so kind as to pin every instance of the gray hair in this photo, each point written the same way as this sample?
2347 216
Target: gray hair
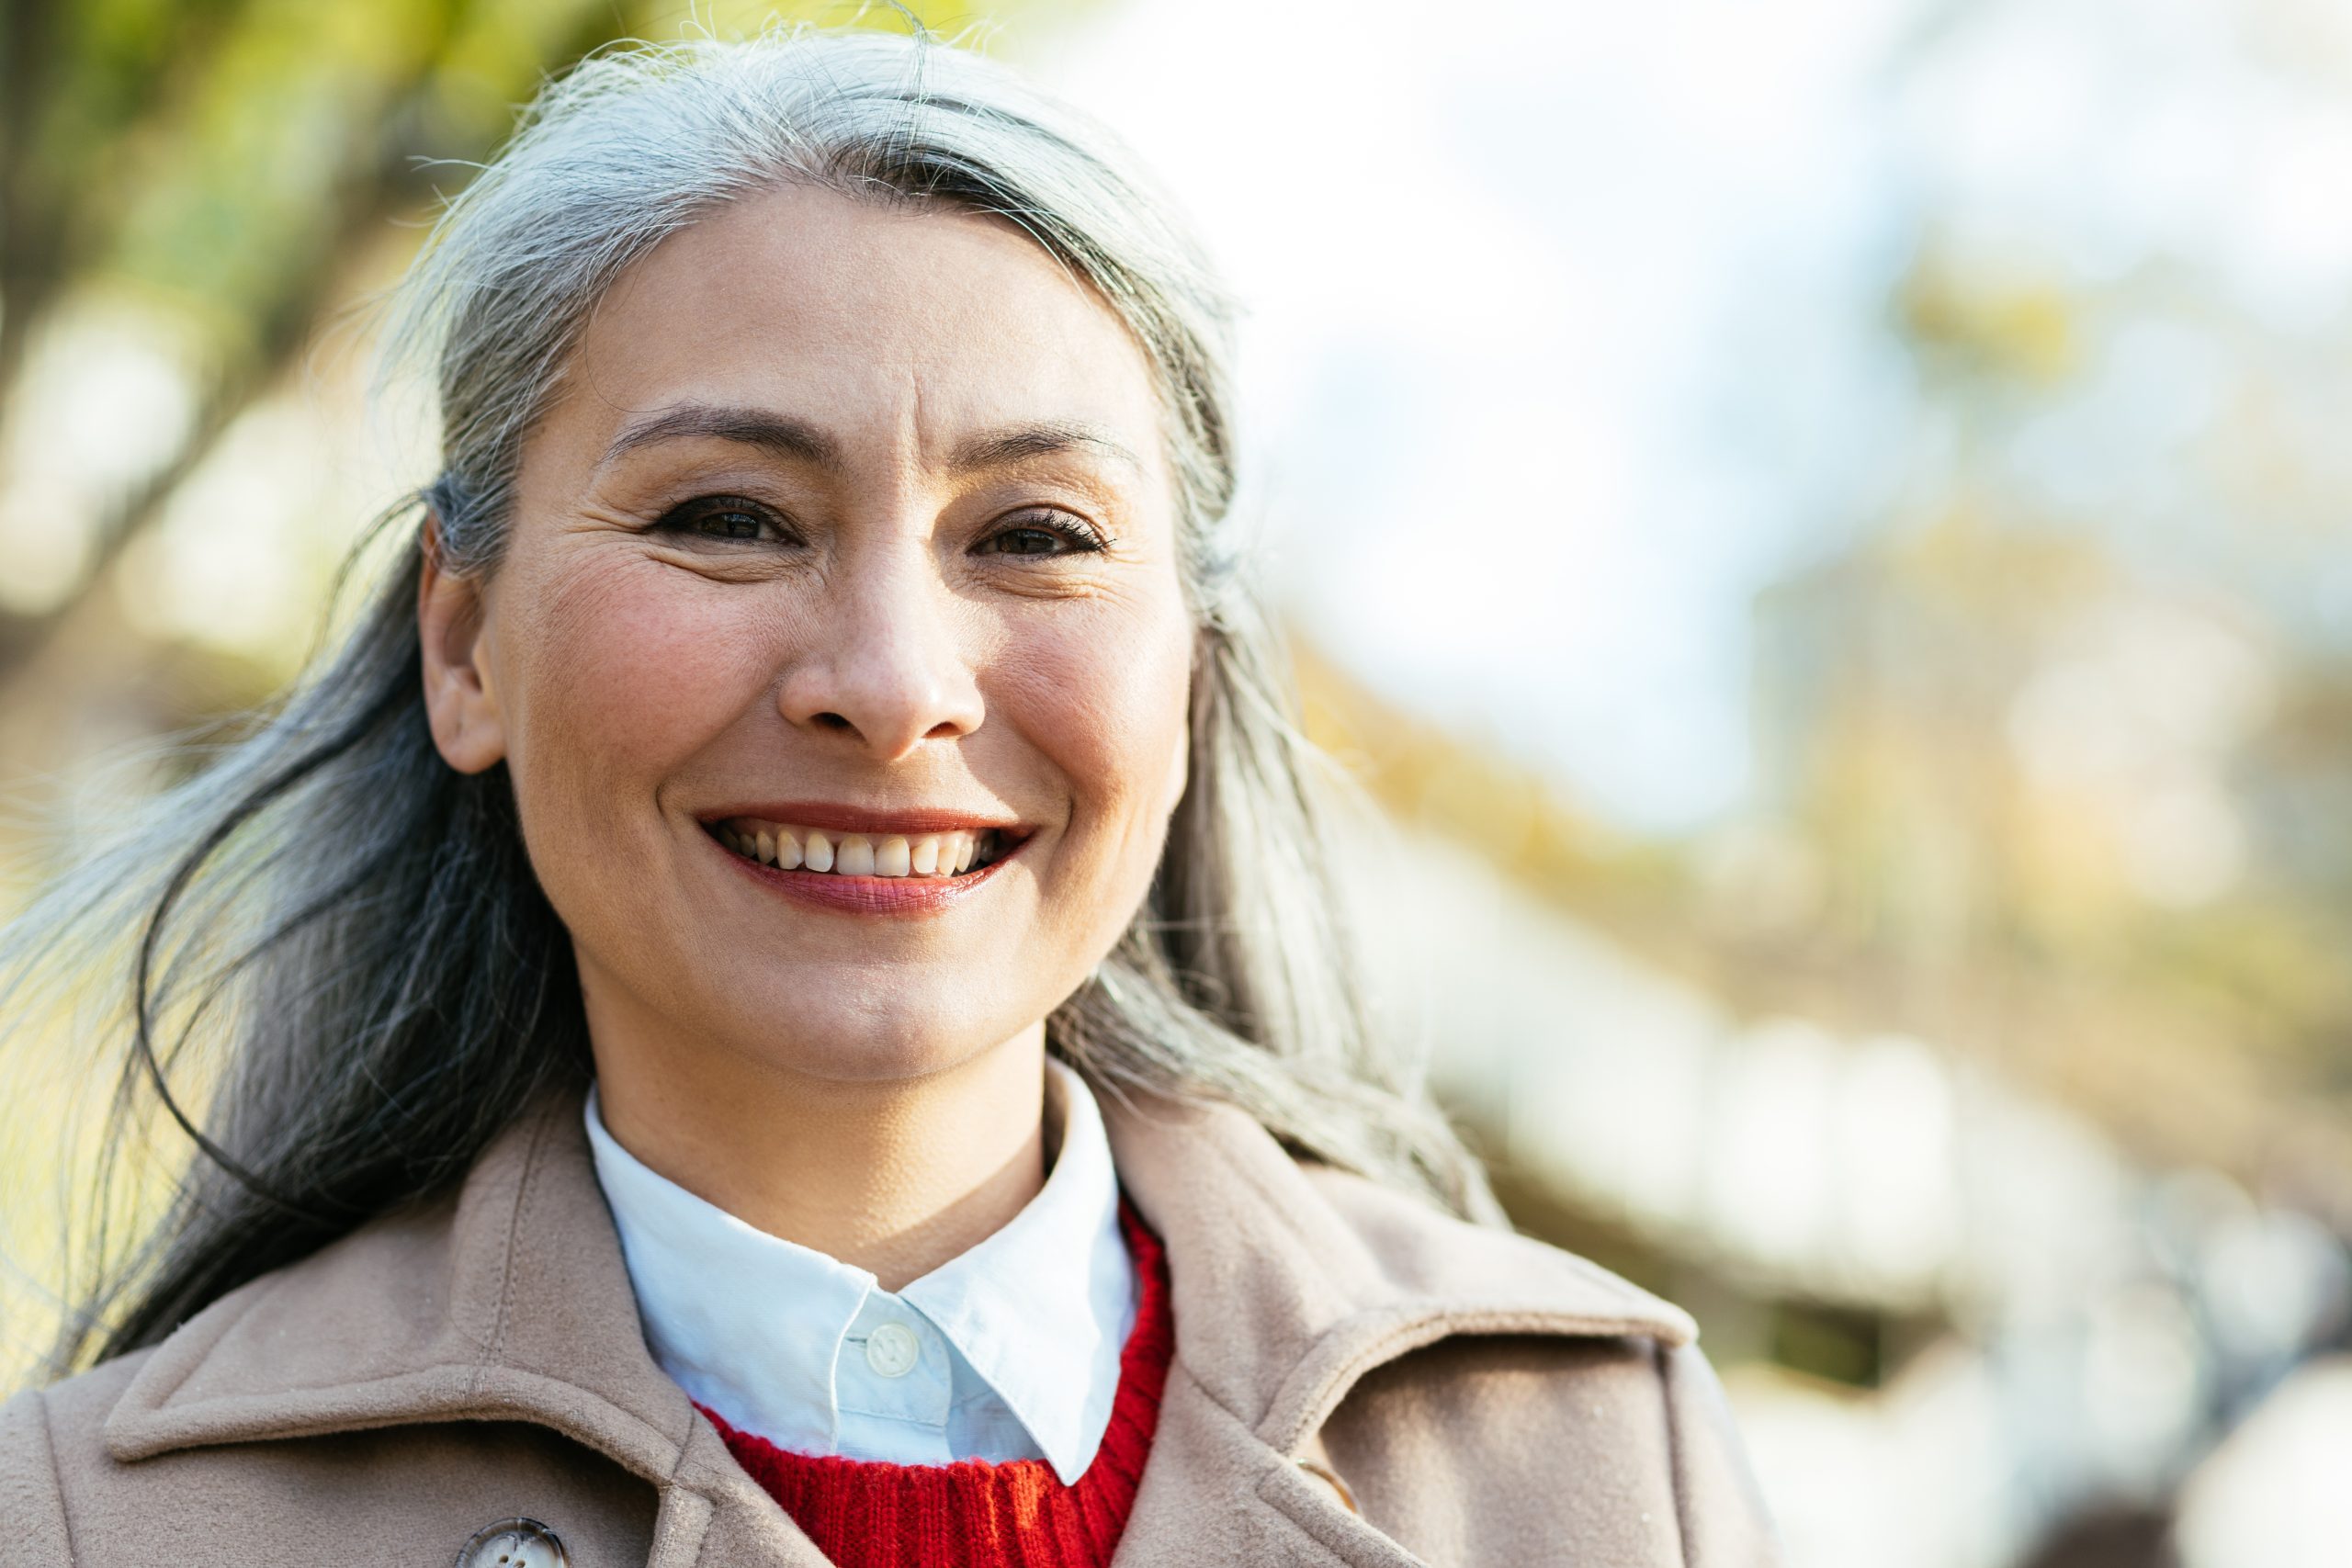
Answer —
348 933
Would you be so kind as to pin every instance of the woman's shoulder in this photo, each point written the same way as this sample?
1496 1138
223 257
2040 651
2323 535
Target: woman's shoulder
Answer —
382 1297
47 1432
64 1445
461 1360
1426 1358
1506 1357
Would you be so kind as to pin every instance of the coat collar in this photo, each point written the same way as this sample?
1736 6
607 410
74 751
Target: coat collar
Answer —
1341 1273
510 1301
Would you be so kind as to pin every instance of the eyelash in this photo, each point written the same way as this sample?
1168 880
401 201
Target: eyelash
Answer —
1083 536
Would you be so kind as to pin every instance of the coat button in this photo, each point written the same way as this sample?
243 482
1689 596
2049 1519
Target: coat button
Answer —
514 1543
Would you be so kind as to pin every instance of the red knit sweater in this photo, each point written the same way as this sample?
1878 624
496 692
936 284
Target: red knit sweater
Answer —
974 1514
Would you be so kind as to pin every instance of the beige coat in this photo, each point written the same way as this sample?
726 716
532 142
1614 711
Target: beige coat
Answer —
1486 1399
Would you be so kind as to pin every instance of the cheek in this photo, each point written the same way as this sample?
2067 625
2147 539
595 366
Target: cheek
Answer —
1105 699
631 667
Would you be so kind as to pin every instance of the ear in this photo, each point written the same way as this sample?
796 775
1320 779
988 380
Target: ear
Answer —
461 702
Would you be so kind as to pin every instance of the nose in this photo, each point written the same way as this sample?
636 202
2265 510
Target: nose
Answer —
882 660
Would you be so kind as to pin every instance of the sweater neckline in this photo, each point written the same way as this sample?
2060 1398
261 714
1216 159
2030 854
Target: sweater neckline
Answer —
973 1513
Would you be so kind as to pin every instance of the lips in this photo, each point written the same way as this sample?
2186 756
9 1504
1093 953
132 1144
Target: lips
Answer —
853 861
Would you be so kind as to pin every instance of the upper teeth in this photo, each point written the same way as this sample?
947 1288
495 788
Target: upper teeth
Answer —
857 854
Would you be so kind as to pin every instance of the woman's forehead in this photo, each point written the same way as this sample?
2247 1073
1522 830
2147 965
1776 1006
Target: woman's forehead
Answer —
864 323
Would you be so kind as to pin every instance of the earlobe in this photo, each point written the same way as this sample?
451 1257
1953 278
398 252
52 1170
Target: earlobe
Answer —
461 701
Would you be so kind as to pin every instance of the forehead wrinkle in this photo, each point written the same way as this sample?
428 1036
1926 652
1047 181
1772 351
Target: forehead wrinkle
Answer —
1008 444
911 418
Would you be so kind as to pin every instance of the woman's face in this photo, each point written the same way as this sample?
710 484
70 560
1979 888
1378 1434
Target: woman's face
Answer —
850 541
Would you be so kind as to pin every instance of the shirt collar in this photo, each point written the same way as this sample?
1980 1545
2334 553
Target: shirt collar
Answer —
1051 1290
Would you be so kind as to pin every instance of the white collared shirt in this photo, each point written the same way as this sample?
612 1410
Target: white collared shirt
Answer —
1008 1350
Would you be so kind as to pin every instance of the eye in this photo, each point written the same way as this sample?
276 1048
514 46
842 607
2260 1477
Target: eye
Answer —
723 517
1043 535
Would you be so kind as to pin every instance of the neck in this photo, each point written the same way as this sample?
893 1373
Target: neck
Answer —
895 1177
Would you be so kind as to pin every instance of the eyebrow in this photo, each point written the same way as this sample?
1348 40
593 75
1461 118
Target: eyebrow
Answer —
800 441
772 432
1001 449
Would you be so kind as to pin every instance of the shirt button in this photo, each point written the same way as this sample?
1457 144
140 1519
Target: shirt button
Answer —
514 1543
892 1350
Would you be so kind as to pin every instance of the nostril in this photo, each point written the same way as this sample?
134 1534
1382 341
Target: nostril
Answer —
835 721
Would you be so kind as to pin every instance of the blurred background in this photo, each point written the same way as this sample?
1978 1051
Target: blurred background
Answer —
1824 523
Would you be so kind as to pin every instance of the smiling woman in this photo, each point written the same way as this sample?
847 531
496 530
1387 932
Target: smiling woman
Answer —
779 1002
